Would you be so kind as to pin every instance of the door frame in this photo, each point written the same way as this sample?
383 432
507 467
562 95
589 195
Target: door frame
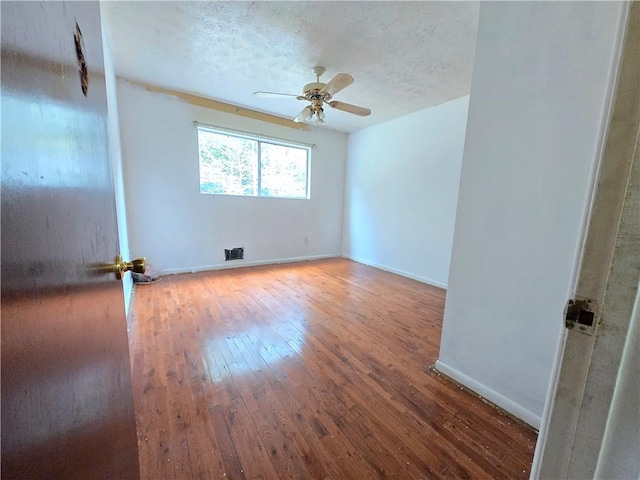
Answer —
588 360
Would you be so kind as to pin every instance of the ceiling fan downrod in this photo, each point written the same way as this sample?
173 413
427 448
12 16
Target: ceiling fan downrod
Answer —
318 71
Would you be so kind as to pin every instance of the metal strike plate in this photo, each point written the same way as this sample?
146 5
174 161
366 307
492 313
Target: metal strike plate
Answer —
580 315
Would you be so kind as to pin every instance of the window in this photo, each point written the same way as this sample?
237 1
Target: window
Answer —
238 164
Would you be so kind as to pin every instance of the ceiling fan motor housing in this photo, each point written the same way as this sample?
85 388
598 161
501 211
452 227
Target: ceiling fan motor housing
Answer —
312 91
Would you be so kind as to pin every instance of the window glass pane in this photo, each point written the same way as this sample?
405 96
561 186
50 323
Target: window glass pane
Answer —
228 165
283 171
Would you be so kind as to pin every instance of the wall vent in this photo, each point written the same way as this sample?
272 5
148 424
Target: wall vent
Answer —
236 253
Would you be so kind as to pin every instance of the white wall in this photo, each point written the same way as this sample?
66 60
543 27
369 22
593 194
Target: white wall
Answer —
539 93
401 192
115 155
179 229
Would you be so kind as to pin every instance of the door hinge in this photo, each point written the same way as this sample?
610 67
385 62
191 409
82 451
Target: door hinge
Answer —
580 315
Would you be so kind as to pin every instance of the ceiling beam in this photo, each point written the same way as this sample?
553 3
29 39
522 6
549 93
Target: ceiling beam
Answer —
199 101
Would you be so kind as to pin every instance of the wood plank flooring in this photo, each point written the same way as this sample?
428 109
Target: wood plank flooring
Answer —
314 370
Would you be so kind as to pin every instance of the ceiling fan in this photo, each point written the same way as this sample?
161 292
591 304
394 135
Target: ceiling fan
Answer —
319 94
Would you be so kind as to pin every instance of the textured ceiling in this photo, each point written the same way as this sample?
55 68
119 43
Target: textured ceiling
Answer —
404 56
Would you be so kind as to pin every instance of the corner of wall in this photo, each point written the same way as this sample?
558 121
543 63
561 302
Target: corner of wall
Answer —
402 273
398 222
494 397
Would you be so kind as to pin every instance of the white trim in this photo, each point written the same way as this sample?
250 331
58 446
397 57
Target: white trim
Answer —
402 273
243 263
127 288
501 401
253 136
543 431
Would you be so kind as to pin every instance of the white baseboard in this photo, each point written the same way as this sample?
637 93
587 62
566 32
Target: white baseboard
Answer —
501 401
397 272
242 263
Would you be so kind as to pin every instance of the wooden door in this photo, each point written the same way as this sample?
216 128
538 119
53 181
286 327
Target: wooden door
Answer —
67 408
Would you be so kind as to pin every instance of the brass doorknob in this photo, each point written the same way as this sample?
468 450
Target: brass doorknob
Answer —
139 265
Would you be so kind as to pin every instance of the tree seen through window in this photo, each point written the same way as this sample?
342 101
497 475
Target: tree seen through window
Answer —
233 165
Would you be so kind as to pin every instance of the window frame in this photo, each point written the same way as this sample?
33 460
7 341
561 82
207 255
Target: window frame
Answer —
259 139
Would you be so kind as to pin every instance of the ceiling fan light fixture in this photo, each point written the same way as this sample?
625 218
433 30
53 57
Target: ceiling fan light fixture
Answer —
305 115
320 94
309 116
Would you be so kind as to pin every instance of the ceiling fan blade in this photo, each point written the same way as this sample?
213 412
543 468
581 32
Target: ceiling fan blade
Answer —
337 83
274 94
303 116
347 107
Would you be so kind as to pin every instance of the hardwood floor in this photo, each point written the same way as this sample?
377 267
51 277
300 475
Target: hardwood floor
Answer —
308 370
